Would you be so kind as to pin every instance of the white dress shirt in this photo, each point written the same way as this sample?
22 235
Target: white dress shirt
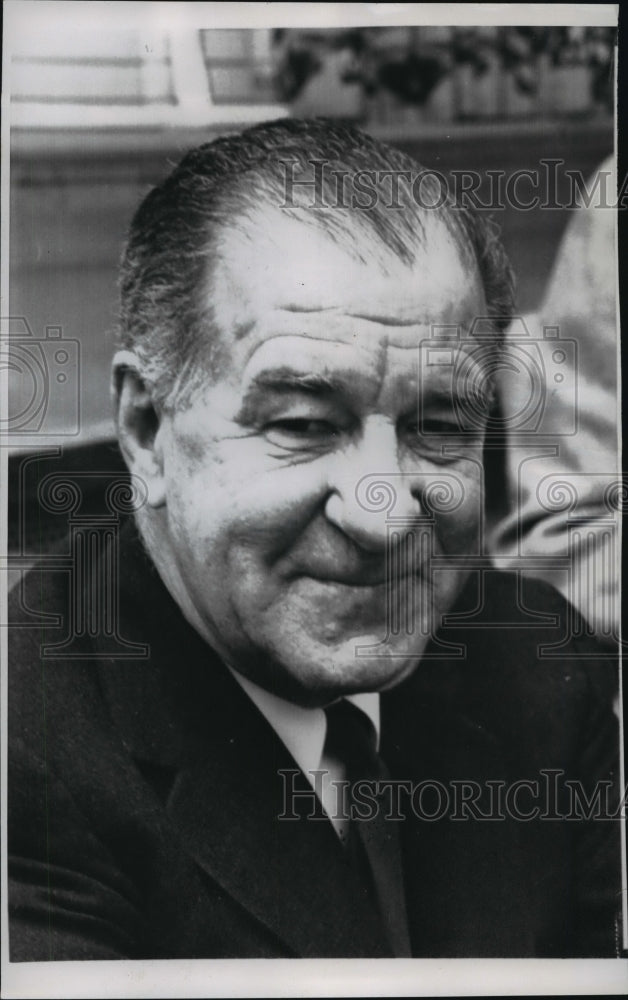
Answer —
303 732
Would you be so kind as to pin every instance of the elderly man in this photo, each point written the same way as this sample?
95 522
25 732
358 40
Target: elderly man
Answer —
349 736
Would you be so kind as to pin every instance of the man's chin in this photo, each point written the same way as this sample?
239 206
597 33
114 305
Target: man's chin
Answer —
316 673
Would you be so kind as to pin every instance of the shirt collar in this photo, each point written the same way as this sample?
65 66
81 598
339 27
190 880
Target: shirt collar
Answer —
302 730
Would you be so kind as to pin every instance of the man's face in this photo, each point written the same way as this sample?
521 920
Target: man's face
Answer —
290 559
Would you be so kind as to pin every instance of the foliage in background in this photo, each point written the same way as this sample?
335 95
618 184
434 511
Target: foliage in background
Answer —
411 70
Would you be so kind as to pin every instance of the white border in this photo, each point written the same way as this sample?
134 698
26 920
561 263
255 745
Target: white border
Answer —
316 978
19 14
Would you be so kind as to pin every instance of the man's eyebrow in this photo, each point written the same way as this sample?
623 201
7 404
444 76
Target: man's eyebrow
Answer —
285 379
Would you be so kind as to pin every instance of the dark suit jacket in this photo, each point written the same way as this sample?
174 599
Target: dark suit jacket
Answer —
144 793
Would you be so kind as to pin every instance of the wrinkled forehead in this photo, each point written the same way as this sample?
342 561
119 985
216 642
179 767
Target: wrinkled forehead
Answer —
270 261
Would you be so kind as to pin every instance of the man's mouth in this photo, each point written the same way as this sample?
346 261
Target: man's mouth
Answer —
359 569
364 578
351 581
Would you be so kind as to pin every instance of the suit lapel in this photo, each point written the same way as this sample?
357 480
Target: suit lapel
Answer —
458 866
181 712
290 874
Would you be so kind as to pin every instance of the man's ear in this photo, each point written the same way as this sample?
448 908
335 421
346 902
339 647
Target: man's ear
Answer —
139 424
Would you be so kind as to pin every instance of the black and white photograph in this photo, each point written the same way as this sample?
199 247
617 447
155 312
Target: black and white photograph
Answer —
312 500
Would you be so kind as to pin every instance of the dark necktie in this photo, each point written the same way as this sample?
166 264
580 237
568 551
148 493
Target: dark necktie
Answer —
373 843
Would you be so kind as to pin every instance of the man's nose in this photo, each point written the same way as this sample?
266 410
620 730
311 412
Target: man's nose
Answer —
368 485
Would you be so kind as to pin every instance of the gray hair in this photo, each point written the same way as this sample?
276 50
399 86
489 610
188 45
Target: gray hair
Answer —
165 318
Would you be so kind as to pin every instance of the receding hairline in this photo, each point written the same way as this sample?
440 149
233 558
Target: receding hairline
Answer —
231 314
398 230
253 226
175 233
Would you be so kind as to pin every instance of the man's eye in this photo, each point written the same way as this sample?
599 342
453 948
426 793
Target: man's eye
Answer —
432 425
300 431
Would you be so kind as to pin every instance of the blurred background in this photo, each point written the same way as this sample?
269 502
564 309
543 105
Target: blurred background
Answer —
99 116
